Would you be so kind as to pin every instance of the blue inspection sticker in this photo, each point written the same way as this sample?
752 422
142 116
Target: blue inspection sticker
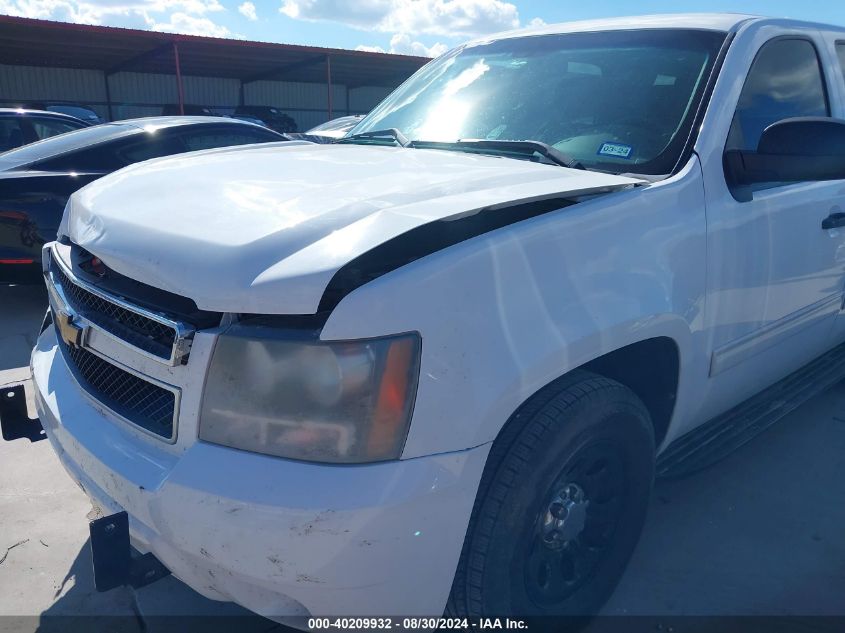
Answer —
617 150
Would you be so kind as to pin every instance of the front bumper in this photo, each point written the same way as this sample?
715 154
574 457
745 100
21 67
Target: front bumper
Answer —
277 536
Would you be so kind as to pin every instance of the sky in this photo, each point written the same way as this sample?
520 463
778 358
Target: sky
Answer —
417 27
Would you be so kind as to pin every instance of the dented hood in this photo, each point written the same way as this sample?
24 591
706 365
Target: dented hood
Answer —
264 229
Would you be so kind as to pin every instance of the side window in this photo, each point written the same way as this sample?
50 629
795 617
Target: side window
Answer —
785 81
11 134
209 139
840 51
99 158
45 128
150 146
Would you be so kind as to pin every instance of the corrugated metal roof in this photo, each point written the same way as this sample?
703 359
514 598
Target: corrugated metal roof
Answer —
29 42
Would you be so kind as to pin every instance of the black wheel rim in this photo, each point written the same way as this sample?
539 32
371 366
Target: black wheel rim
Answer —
575 523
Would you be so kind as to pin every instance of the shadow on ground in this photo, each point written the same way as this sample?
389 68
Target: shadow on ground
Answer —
163 607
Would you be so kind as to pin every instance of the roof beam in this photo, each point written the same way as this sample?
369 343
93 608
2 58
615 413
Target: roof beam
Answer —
280 70
140 58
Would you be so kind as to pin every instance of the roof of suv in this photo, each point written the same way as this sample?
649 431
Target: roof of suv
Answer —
699 21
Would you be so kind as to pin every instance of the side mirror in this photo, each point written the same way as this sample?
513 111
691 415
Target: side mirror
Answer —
792 150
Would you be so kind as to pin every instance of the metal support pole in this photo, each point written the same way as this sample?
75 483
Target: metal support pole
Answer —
179 78
329 83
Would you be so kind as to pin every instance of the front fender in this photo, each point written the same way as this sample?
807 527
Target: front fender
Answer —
504 314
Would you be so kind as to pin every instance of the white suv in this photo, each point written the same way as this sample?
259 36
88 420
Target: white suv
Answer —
436 366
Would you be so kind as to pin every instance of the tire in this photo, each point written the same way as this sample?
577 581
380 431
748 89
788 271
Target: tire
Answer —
579 454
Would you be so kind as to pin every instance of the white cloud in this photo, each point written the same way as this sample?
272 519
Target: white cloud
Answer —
191 25
369 49
537 22
403 44
182 16
406 19
248 9
432 17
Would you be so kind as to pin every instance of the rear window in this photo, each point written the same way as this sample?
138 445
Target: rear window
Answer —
45 128
63 143
11 134
79 112
213 138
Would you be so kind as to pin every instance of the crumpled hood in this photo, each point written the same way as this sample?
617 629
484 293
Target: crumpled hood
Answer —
264 229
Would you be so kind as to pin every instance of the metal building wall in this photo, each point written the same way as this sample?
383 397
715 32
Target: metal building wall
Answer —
307 103
365 98
31 83
141 94
144 94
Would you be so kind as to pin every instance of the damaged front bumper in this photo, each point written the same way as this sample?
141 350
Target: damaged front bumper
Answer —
280 537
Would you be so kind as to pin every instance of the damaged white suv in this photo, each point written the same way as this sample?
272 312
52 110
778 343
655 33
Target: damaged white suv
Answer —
436 366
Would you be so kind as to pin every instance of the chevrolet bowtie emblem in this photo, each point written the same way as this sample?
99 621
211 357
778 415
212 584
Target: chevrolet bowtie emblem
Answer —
71 333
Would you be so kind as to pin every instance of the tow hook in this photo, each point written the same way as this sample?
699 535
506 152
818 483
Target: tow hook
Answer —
14 418
115 562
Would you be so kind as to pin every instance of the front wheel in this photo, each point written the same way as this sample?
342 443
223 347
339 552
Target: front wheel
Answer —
561 503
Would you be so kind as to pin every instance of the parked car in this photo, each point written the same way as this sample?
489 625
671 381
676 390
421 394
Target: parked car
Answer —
272 117
336 128
19 126
172 109
249 119
408 373
81 112
36 180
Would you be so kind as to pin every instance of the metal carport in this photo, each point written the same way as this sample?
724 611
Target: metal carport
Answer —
110 51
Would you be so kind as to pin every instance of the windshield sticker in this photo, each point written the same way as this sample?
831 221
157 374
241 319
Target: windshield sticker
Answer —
617 150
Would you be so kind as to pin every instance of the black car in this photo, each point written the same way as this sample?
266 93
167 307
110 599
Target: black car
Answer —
19 126
36 180
272 117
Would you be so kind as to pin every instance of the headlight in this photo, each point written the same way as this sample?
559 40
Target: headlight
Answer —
281 393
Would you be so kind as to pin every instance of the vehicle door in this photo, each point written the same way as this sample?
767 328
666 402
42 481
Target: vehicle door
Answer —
774 275
836 43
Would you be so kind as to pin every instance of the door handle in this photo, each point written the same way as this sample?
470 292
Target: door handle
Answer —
834 220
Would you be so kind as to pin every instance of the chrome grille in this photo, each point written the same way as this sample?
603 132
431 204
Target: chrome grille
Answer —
149 335
139 401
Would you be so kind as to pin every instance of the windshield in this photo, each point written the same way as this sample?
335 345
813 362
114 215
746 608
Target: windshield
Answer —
343 123
620 101
63 143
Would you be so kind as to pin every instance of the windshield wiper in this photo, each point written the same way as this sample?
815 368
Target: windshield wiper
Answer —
527 147
391 133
